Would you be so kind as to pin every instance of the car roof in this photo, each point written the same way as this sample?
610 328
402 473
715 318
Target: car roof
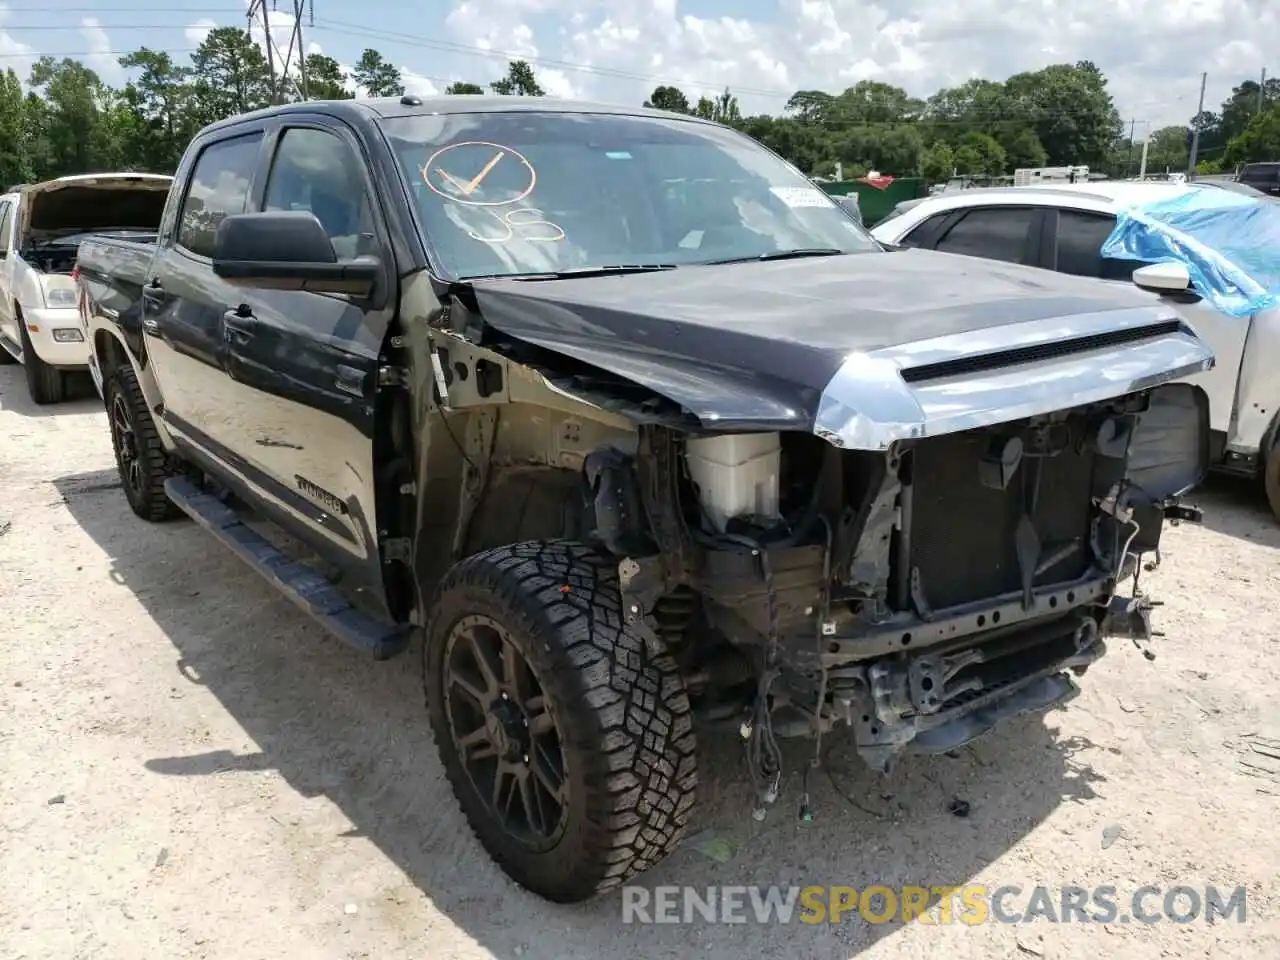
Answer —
411 105
1104 192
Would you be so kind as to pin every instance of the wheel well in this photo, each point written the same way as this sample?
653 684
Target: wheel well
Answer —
110 353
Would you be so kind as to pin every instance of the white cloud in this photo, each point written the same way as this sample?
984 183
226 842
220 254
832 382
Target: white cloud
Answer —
99 59
417 83
198 31
1151 50
16 55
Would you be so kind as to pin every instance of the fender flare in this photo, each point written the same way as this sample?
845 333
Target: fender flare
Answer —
110 352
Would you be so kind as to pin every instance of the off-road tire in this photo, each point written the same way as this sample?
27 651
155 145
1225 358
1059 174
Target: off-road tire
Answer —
45 384
623 715
148 500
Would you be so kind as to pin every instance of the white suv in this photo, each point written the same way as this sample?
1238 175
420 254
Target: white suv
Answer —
41 226
1062 228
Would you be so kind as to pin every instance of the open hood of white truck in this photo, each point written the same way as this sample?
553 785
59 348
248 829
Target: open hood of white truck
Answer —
91 202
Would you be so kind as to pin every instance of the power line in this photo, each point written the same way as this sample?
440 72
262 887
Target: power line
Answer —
362 32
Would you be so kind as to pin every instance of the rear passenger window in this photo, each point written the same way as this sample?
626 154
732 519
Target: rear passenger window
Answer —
219 188
925 231
996 233
1080 239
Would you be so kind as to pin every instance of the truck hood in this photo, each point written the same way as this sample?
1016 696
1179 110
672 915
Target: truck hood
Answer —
864 349
126 201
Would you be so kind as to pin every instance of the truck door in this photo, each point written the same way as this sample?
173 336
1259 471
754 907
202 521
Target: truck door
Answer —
183 301
1080 235
301 368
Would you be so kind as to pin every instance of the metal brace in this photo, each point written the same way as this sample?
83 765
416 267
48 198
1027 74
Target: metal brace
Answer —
397 549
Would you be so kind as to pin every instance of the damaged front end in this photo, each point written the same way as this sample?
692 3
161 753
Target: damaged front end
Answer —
915 595
936 543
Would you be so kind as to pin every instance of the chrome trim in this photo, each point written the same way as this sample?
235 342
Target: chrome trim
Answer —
868 406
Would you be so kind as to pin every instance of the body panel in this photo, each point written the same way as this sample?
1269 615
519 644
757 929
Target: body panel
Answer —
804 343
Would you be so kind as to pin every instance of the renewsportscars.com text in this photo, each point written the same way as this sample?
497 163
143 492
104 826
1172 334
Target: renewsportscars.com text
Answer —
971 904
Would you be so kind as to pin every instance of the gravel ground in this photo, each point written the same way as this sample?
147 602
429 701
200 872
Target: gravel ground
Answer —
192 769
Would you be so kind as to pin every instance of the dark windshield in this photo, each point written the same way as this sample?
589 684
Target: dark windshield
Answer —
525 192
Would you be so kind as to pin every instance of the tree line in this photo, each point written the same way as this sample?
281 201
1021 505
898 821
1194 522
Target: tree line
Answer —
70 121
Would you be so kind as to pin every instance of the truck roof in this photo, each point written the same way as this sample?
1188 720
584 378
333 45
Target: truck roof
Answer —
412 105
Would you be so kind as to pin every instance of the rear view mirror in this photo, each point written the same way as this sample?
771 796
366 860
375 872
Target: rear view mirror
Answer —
287 250
1163 278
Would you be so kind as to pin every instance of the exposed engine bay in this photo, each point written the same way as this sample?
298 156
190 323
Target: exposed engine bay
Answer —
916 596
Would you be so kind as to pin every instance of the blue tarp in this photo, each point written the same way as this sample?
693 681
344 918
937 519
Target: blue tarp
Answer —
1229 243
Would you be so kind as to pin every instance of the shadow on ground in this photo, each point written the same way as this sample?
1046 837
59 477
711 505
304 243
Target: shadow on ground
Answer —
1237 507
354 731
82 396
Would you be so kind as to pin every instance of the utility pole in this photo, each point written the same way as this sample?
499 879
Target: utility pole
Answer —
1195 130
1262 90
302 49
256 7
1129 163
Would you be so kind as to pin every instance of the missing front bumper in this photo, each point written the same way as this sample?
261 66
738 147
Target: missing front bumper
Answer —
939 701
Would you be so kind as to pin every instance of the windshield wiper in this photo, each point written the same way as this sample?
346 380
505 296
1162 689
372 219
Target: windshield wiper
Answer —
573 272
796 254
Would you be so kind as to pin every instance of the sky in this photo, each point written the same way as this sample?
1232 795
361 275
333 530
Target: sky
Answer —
1153 51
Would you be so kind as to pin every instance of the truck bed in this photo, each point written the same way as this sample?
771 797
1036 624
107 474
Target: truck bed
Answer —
112 271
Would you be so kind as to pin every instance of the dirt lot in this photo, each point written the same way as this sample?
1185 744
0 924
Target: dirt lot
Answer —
190 769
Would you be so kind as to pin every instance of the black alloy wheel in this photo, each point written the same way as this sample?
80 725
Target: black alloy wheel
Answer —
504 732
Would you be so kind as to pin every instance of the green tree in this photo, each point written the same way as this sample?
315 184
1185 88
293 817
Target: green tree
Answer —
1022 147
376 77
460 87
979 154
810 106
870 101
939 163
668 98
229 75
1259 141
725 108
325 79
74 119
705 108
1069 109
15 150
1167 149
158 120
519 81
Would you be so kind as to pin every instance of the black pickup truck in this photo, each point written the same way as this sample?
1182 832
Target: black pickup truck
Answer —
634 431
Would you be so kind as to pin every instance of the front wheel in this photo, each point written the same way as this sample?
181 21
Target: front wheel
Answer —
140 457
569 746
45 384
1271 472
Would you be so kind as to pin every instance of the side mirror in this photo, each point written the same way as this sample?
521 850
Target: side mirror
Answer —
287 250
1163 278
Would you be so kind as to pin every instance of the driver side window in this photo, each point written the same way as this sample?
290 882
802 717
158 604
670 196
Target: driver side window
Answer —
317 171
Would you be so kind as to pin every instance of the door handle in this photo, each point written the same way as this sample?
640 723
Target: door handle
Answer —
240 326
152 295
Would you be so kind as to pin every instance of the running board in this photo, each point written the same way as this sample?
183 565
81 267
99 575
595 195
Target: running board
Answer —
312 592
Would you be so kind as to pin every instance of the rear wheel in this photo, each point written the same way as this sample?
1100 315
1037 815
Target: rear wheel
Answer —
141 459
569 746
46 384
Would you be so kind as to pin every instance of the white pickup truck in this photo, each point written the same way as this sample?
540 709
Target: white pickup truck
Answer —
41 226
